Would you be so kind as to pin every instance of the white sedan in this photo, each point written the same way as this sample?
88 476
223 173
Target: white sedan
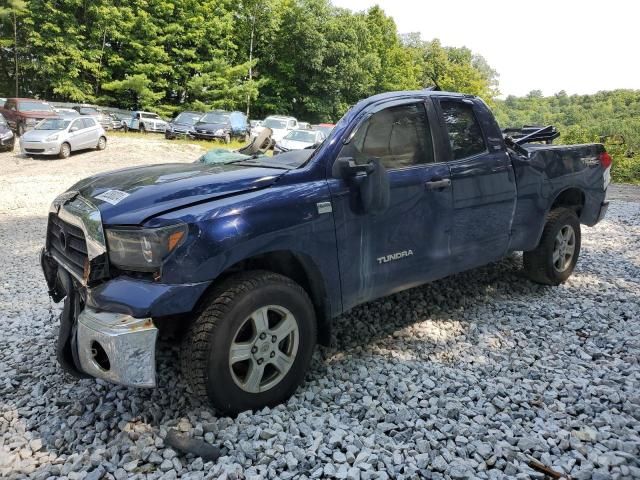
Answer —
299 140
61 136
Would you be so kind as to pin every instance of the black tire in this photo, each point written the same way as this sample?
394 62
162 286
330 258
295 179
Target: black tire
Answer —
227 139
125 128
205 355
21 129
539 264
143 129
102 143
65 151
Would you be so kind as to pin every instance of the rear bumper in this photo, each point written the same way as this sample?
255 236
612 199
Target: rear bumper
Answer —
603 211
117 347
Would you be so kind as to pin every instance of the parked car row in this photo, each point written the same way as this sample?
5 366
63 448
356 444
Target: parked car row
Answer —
287 133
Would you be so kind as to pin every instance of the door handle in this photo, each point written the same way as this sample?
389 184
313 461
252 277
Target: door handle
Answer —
438 184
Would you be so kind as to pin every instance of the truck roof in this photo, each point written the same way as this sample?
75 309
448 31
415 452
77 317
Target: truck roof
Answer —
414 93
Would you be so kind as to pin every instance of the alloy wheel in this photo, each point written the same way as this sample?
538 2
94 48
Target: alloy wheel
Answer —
264 349
564 248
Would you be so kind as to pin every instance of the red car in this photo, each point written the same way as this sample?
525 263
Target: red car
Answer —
23 114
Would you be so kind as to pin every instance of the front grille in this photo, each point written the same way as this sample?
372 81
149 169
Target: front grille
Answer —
34 150
67 242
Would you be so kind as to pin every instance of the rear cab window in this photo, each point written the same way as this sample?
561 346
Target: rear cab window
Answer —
399 136
463 130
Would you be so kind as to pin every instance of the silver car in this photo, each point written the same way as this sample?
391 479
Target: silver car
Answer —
61 136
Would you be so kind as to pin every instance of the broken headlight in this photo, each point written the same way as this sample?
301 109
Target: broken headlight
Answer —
143 249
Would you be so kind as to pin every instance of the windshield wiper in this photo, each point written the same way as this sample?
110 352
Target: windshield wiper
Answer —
252 163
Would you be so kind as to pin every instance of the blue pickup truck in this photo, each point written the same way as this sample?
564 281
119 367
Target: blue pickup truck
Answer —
250 257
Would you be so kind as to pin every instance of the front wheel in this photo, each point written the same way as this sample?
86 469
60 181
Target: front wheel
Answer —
555 257
21 129
252 344
102 143
65 151
143 129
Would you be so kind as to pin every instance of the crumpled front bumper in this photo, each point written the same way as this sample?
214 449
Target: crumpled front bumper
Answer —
112 346
117 347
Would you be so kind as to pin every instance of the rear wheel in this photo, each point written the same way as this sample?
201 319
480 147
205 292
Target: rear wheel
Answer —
65 151
252 344
555 257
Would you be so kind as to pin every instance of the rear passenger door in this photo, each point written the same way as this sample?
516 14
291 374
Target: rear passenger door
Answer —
483 182
90 133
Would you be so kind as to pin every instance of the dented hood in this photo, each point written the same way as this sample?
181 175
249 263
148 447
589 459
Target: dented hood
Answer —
132 195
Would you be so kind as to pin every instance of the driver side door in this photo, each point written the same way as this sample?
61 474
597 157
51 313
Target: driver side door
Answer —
408 243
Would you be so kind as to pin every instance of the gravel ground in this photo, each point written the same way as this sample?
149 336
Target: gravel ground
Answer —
468 377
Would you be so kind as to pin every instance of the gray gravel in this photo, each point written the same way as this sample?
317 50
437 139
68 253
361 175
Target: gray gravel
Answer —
468 377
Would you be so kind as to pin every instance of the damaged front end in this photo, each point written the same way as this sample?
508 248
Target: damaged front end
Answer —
112 346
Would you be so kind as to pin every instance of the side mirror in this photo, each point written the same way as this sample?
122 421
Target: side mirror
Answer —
346 167
373 188
74 129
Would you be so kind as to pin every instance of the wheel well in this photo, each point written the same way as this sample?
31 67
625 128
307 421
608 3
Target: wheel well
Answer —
570 198
301 270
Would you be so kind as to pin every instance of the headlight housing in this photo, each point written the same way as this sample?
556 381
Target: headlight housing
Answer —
143 249
51 138
6 135
219 132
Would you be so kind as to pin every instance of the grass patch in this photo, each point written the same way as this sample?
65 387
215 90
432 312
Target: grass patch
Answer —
204 144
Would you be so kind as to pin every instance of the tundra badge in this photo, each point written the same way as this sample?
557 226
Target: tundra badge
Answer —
395 256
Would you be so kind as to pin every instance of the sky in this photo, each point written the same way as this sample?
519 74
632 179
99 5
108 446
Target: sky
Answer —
577 46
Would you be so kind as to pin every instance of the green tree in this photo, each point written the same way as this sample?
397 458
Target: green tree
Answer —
13 10
135 91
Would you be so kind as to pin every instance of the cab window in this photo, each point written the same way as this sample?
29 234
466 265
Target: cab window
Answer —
400 136
465 135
